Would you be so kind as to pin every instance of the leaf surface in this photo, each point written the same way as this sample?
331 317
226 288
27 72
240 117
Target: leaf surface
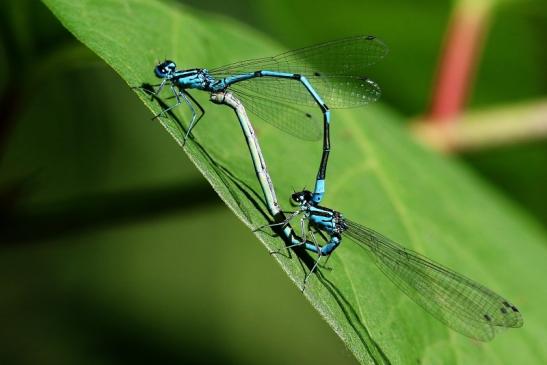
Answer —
377 176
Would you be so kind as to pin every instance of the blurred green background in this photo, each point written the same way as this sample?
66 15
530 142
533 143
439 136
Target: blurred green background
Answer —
92 265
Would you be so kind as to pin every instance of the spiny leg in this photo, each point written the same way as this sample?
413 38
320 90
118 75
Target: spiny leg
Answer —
160 88
303 230
315 242
176 94
316 264
289 246
191 125
299 241
312 270
187 97
282 224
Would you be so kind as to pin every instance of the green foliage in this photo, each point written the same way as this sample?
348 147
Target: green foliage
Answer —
377 177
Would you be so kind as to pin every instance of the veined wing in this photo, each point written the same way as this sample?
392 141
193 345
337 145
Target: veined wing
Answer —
344 57
455 300
302 122
336 70
336 92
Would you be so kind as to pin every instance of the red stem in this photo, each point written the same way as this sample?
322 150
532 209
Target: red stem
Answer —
459 58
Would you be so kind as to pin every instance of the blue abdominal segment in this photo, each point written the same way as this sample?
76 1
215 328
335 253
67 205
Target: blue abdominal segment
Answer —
459 302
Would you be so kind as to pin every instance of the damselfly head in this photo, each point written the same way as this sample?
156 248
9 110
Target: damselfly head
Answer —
165 69
300 197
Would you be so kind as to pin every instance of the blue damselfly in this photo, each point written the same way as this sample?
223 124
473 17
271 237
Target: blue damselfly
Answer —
287 90
459 302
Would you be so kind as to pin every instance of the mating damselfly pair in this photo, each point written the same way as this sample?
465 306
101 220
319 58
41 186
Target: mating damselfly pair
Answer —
289 91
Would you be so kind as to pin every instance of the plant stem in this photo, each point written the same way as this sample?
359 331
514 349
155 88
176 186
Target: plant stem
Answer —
489 128
458 60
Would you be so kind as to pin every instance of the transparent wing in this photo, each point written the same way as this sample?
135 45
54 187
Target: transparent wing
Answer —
336 70
336 92
343 57
455 300
302 122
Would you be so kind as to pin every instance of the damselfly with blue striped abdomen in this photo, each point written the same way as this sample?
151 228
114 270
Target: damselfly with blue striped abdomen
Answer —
288 90
455 300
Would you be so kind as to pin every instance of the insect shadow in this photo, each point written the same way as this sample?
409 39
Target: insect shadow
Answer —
238 188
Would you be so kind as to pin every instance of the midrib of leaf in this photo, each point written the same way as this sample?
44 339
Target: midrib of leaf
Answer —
400 208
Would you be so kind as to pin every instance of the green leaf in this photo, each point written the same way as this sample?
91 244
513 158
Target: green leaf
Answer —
377 176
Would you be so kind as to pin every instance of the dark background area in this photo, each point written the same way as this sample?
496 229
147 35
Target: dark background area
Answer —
92 268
